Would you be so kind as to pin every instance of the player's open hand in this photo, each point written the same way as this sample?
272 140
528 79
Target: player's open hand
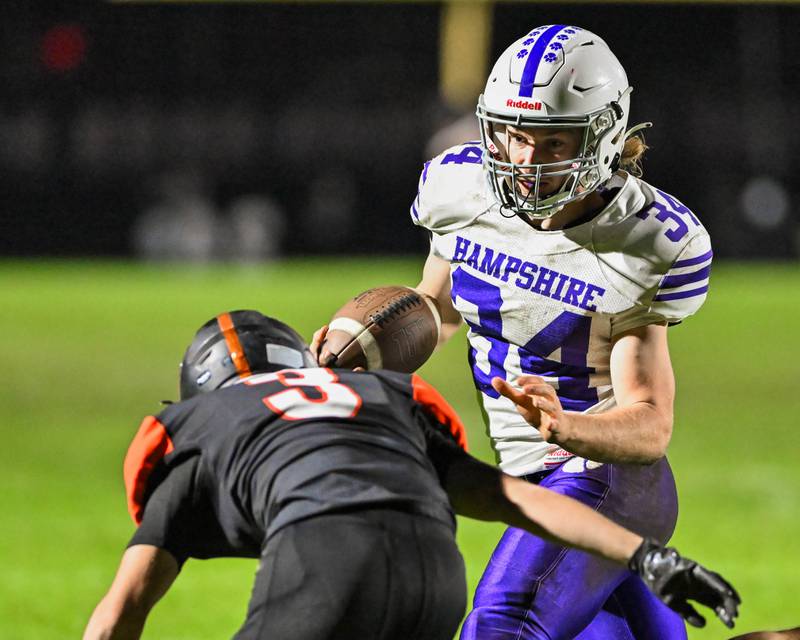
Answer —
676 580
537 402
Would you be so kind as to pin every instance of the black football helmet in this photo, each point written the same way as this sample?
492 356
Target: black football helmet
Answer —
240 343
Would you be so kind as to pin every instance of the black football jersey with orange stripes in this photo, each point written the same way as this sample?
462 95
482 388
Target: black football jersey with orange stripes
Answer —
218 474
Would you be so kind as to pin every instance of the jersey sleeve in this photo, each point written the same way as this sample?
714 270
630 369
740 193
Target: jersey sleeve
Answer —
445 436
666 260
150 444
435 406
683 289
179 516
452 190
167 522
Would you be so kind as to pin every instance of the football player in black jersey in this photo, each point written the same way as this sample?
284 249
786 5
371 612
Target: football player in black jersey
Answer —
345 485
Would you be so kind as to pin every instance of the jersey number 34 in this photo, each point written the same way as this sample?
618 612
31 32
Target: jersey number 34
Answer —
568 331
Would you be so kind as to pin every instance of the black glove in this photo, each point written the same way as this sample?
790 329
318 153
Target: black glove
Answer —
676 580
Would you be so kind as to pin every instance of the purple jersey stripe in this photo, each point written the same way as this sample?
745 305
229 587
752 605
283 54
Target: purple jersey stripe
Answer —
414 211
671 282
425 171
690 261
680 295
534 59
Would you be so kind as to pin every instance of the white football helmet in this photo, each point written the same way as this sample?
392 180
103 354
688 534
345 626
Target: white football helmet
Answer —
555 76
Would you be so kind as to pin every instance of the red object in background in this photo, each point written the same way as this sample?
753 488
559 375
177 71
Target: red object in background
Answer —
63 47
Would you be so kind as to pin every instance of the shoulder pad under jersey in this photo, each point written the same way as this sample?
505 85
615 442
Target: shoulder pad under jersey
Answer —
654 251
150 445
452 190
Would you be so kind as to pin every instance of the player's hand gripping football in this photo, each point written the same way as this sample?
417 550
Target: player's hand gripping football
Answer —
316 344
324 359
676 580
538 403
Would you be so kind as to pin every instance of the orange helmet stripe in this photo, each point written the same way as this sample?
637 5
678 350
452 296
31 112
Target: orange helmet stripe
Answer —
234 346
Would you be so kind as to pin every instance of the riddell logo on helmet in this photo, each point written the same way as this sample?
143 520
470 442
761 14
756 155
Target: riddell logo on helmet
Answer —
524 104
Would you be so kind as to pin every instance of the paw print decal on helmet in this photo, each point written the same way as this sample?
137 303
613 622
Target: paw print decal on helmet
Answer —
550 57
522 53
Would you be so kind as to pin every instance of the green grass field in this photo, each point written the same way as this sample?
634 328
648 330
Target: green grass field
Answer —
89 348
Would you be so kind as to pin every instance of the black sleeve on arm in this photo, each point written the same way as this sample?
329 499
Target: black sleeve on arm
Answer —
475 488
442 447
170 515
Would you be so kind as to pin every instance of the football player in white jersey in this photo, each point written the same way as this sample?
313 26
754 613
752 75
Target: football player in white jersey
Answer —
567 269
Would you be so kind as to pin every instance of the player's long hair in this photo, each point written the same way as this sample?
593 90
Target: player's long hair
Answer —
632 153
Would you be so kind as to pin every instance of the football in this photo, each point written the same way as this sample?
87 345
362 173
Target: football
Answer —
393 328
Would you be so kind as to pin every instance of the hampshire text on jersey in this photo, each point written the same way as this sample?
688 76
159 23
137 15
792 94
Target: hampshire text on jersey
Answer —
541 280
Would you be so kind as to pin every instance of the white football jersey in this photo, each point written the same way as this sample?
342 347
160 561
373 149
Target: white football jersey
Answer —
549 303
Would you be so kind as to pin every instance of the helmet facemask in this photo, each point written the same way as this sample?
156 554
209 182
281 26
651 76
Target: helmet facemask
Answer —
556 76
517 185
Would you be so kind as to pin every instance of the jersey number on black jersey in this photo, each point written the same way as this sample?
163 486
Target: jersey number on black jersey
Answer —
292 402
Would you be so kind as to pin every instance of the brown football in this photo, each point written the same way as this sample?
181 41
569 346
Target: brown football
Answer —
383 328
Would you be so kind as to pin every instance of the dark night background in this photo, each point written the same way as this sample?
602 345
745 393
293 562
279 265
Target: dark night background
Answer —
322 114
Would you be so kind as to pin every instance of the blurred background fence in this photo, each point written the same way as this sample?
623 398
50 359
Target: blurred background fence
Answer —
257 130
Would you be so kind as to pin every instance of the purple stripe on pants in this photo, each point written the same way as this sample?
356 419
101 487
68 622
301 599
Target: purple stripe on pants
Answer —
535 590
